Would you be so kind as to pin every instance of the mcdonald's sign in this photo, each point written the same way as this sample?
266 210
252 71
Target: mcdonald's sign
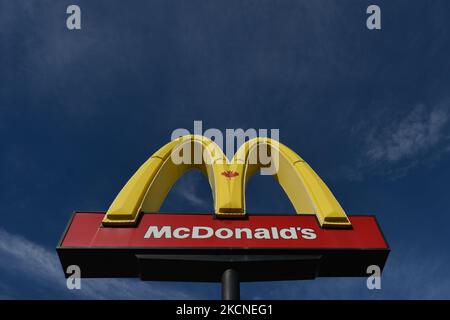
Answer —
133 239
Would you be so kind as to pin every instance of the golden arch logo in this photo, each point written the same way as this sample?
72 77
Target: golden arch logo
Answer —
149 186
132 239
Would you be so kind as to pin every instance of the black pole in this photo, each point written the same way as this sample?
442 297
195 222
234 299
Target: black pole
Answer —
230 285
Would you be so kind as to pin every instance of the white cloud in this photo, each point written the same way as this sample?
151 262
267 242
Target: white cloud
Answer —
23 258
391 145
415 134
187 188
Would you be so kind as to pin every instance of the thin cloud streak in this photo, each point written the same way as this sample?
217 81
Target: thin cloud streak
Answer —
394 147
187 189
26 259
406 138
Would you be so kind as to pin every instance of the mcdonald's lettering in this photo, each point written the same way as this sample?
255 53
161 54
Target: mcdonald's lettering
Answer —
133 239
204 232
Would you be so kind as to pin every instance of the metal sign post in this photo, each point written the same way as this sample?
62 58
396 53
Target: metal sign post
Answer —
230 285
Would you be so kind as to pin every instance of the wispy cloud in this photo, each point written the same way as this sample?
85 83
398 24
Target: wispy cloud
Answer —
188 189
23 259
418 132
392 145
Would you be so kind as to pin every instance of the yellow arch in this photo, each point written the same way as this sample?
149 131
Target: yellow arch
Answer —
148 187
306 191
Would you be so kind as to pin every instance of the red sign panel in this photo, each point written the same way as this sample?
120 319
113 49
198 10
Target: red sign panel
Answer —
157 230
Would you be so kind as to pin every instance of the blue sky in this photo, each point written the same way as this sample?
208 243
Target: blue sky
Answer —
368 110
